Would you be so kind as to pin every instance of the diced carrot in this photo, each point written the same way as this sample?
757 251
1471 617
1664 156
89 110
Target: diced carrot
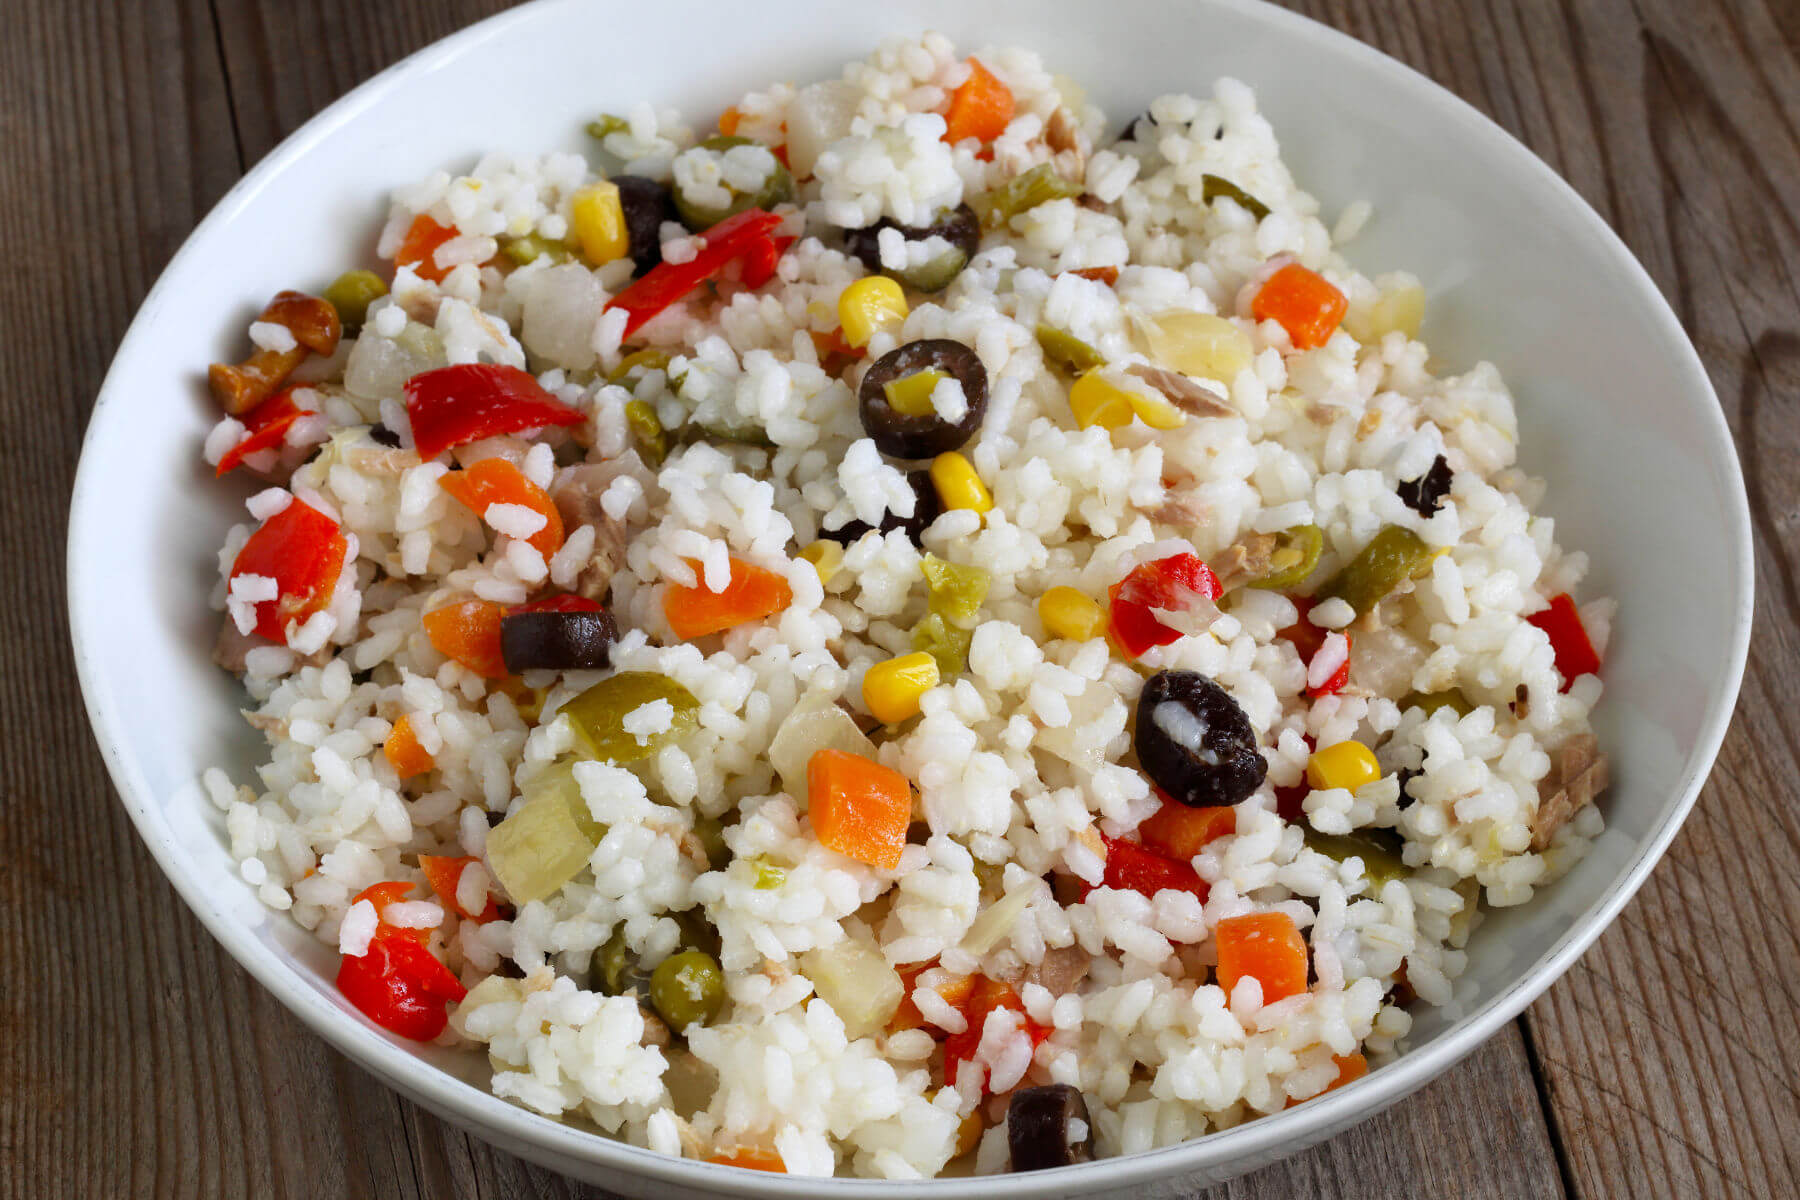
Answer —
980 108
1181 832
469 632
1266 945
1107 275
1303 302
418 249
496 481
753 593
986 996
954 991
859 808
729 120
403 750
443 873
1350 1067
751 1158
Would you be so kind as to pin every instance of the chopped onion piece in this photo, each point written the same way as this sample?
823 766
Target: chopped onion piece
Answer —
857 982
997 921
817 723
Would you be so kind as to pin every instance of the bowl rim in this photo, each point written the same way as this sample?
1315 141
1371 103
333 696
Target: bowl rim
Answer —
535 1136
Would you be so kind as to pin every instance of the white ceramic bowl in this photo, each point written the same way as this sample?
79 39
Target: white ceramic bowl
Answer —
1615 408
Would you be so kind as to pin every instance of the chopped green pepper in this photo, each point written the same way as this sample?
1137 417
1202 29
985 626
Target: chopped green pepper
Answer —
1393 555
946 643
1213 186
777 188
605 124
956 591
598 715
1022 193
769 875
647 431
1295 555
1066 350
650 358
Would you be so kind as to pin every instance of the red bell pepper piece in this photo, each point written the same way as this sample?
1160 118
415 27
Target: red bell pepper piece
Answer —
1307 640
738 236
418 249
1137 868
1169 583
563 603
465 403
1575 653
303 550
986 996
400 985
1338 678
264 426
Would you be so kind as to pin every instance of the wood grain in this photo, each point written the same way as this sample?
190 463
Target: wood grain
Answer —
1665 1063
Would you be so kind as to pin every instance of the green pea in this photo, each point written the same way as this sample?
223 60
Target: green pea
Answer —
1295 555
687 989
1392 556
351 294
614 969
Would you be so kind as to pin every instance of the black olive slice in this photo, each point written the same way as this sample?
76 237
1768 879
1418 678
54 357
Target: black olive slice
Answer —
646 205
1194 741
900 436
1048 1127
557 641
927 507
959 226
1425 495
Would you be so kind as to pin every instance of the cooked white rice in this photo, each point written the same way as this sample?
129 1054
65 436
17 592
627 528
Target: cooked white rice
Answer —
1023 760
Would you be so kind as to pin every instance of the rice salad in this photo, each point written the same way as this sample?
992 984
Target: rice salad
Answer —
919 631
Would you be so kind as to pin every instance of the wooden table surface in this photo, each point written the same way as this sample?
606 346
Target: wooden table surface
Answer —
136 1059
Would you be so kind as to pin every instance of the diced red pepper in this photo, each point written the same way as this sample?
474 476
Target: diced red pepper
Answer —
1575 653
302 550
465 403
1137 868
1338 678
735 237
986 996
400 985
563 603
1181 832
418 249
1290 801
264 426
1108 275
1170 583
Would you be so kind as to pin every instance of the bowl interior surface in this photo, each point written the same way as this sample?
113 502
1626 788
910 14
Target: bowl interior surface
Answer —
1615 411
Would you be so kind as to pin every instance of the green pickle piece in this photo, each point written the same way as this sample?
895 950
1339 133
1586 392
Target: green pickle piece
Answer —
687 989
1378 849
546 841
1393 556
956 591
351 294
1295 556
647 431
769 875
1066 350
1451 698
935 273
598 715
1022 193
1214 186
946 643
606 124
650 358
777 188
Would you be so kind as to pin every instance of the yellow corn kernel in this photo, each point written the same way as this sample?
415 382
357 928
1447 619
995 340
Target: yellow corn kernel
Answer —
1346 765
910 395
957 484
1072 614
871 303
826 557
1155 411
1096 400
892 689
599 220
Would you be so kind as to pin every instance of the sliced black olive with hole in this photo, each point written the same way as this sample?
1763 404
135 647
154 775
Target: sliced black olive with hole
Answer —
646 205
557 641
927 507
959 226
1048 1127
1425 495
902 435
1194 741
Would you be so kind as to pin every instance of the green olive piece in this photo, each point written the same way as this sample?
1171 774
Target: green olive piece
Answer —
615 968
1295 555
1214 186
777 188
1392 556
599 715
351 294
1022 193
647 431
687 989
650 358
1379 850
531 247
935 273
